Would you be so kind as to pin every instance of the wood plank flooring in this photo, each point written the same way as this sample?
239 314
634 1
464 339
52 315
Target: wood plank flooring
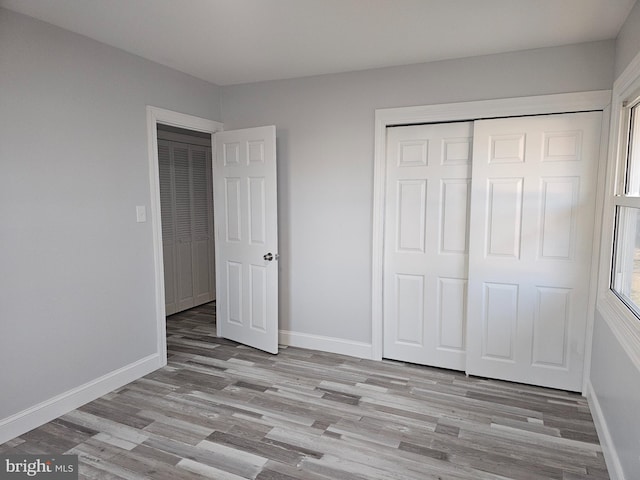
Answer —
221 410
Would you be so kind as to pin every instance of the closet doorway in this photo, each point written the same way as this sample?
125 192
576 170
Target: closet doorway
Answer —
488 242
488 268
186 204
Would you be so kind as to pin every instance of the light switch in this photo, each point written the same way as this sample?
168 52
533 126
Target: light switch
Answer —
141 213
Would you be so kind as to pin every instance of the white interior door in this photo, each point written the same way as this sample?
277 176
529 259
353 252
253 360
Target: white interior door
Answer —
245 209
426 243
532 214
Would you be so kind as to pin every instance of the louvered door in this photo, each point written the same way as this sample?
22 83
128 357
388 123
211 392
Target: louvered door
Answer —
186 202
184 264
202 231
167 211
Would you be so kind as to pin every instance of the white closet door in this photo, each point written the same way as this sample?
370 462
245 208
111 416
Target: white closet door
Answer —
168 228
532 215
426 243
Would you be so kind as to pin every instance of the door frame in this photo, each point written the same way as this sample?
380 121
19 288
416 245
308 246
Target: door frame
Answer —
157 115
470 111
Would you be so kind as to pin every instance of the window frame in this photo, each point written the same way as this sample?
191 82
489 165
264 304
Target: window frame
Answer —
620 317
628 173
625 233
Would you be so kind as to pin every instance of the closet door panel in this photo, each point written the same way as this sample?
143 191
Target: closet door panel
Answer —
211 244
170 284
532 215
167 200
183 207
426 241
201 225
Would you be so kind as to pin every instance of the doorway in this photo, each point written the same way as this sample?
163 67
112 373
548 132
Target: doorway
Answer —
246 238
186 204
156 116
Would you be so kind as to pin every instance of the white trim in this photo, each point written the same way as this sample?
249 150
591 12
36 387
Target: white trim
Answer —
325 344
499 108
508 107
154 116
44 412
614 467
599 213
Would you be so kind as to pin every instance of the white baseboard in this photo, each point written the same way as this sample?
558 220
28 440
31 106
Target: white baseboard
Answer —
608 448
44 412
326 344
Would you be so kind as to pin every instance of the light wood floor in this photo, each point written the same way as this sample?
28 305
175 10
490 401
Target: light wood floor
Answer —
225 411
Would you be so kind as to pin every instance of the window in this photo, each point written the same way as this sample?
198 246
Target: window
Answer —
625 281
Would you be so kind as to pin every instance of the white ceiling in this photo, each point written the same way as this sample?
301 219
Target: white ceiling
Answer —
240 41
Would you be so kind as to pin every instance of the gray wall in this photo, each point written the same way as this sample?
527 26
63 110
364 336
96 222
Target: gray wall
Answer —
616 383
325 129
628 41
76 270
614 377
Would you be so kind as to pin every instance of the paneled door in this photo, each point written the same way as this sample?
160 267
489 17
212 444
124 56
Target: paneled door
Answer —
532 216
426 243
245 207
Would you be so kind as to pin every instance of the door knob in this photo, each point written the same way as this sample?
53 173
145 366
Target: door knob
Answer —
268 257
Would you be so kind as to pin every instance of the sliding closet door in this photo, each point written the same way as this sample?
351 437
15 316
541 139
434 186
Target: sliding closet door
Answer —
426 241
532 216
